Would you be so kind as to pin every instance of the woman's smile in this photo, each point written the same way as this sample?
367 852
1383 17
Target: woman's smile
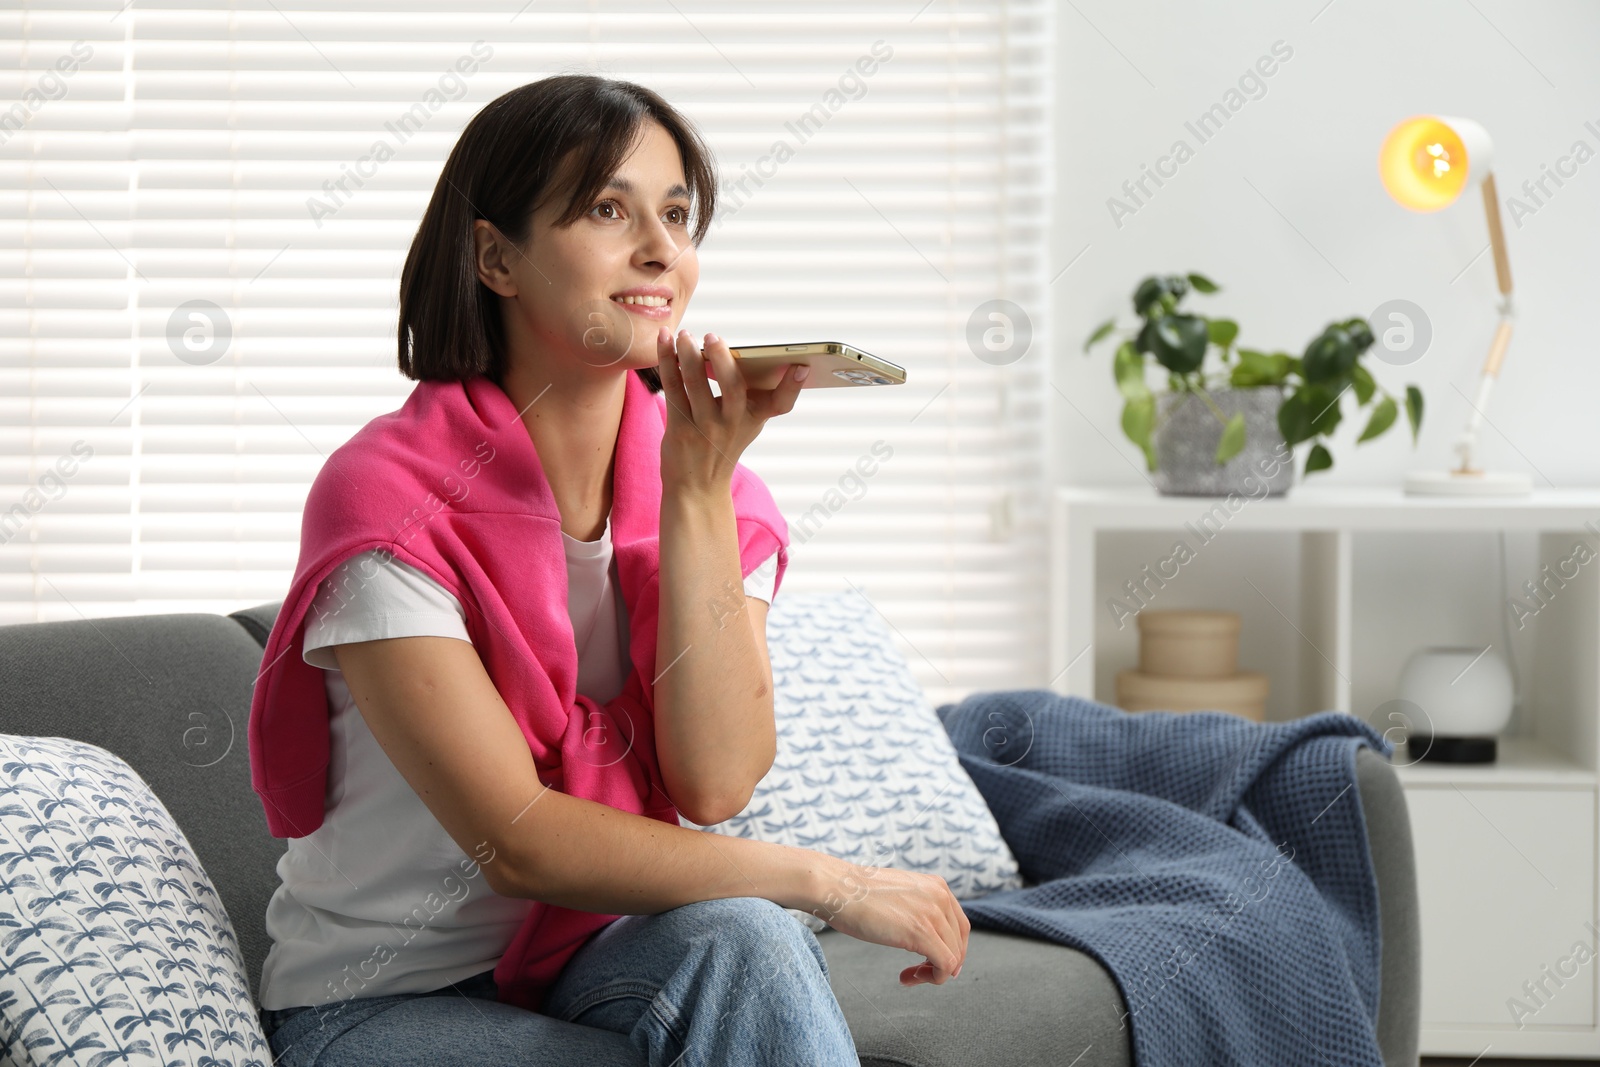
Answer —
648 301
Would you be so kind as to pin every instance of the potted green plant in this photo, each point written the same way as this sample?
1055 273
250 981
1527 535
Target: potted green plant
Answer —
1215 428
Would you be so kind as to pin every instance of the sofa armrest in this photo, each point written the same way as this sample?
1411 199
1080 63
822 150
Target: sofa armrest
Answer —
1383 804
257 621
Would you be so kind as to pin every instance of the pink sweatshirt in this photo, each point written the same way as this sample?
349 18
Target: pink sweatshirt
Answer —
450 483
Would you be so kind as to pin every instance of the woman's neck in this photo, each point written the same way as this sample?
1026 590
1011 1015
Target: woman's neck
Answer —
573 421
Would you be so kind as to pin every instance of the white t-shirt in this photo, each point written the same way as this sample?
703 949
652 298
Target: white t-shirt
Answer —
379 899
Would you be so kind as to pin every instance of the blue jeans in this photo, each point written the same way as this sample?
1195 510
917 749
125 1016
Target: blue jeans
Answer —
733 982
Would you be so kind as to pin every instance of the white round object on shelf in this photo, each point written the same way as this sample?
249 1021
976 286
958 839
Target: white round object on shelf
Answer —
1462 691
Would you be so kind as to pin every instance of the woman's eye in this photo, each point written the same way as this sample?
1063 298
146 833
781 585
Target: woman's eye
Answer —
682 215
612 204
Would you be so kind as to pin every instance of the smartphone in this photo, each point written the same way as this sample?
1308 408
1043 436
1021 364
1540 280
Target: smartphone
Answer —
833 365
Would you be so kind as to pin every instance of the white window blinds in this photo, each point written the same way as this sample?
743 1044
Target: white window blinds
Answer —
154 456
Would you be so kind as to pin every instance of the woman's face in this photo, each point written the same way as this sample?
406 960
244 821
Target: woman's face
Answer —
597 292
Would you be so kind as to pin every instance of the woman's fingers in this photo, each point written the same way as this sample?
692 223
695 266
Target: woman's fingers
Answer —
952 939
956 935
726 423
695 369
958 922
671 377
925 973
964 930
722 364
780 399
942 950
692 367
788 390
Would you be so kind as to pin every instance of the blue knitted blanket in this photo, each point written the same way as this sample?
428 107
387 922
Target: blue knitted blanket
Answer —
1217 867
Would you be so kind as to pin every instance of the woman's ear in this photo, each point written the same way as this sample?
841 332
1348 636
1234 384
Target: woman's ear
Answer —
492 255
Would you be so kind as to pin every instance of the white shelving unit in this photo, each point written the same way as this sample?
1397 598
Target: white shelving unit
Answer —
1336 588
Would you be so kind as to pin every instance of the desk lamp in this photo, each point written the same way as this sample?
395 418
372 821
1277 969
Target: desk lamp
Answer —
1426 163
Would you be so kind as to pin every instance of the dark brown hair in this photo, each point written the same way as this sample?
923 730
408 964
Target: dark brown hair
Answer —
506 164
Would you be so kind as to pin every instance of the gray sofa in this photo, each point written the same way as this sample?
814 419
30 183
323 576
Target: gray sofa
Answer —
170 694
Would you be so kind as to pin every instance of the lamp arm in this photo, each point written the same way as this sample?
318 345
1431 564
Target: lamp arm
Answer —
1497 235
1467 443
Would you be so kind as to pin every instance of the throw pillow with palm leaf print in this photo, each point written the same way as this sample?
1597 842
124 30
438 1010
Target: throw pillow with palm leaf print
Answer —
114 947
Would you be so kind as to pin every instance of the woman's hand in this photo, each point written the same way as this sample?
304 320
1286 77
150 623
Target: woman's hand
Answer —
902 909
705 435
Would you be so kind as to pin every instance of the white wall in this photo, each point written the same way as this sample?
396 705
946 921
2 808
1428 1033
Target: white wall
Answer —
1129 76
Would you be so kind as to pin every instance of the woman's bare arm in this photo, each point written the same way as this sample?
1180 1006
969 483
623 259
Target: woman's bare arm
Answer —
715 733
433 707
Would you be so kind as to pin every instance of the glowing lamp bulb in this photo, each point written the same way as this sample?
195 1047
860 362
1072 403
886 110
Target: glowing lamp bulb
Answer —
1427 160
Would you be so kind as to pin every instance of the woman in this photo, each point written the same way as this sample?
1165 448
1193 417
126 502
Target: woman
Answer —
555 261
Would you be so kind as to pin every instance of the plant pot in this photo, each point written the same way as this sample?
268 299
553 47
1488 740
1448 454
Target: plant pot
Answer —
1187 433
